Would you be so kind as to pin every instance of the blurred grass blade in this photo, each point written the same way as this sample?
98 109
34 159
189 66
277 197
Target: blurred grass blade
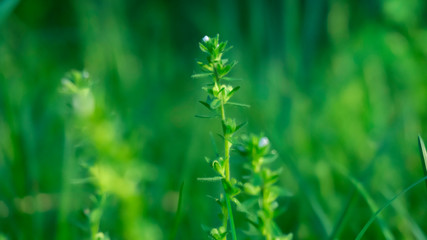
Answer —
423 155
366 196
239 104
210 179
343 217
372 206
6 8
372 219
178 214
402 210
231 218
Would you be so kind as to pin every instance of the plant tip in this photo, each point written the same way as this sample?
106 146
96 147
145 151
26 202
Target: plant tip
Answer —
205 39
263 142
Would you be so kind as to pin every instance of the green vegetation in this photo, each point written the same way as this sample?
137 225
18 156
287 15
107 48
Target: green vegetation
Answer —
336 90
260 206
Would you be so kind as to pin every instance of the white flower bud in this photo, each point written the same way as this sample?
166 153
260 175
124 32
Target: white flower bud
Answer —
85 74
205 39
263 142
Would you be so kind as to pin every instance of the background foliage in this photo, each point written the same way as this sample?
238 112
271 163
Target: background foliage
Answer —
338 86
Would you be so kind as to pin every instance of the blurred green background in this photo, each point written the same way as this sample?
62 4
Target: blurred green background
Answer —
338 86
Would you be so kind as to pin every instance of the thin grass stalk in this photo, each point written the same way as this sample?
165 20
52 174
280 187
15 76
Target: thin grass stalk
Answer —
375 215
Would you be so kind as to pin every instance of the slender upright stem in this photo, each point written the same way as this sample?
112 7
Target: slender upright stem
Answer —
227 145
233 229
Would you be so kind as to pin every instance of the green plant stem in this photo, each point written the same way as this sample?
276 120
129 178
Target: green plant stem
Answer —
226 148
227 145
233 229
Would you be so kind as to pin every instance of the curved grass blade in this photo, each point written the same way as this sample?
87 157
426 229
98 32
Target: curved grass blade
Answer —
372 219
343 215
178 214
230 217
423 155
358 186
400 208
372 206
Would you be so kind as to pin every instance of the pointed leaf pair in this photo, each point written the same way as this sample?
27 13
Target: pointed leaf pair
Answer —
232 92
201 75
239 104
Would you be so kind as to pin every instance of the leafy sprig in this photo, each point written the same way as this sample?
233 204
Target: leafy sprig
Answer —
260 186
260 205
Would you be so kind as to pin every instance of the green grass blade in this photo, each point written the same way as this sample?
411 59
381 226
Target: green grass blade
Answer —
358 186
372 205
423 155
178 214
343 216
230 216
372 219
402 210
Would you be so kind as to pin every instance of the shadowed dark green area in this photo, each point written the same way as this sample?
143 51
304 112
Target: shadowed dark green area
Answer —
338 86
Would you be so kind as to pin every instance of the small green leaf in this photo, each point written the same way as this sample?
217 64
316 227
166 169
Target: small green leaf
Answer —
207 105
226 69
222 46
229 126
270 157
206 116
216 103
241 125
231 79
220 91
201 75
231 93
251 189
210 179
207 68
238 104
228 49
208 89
230 189
203 48
218 168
